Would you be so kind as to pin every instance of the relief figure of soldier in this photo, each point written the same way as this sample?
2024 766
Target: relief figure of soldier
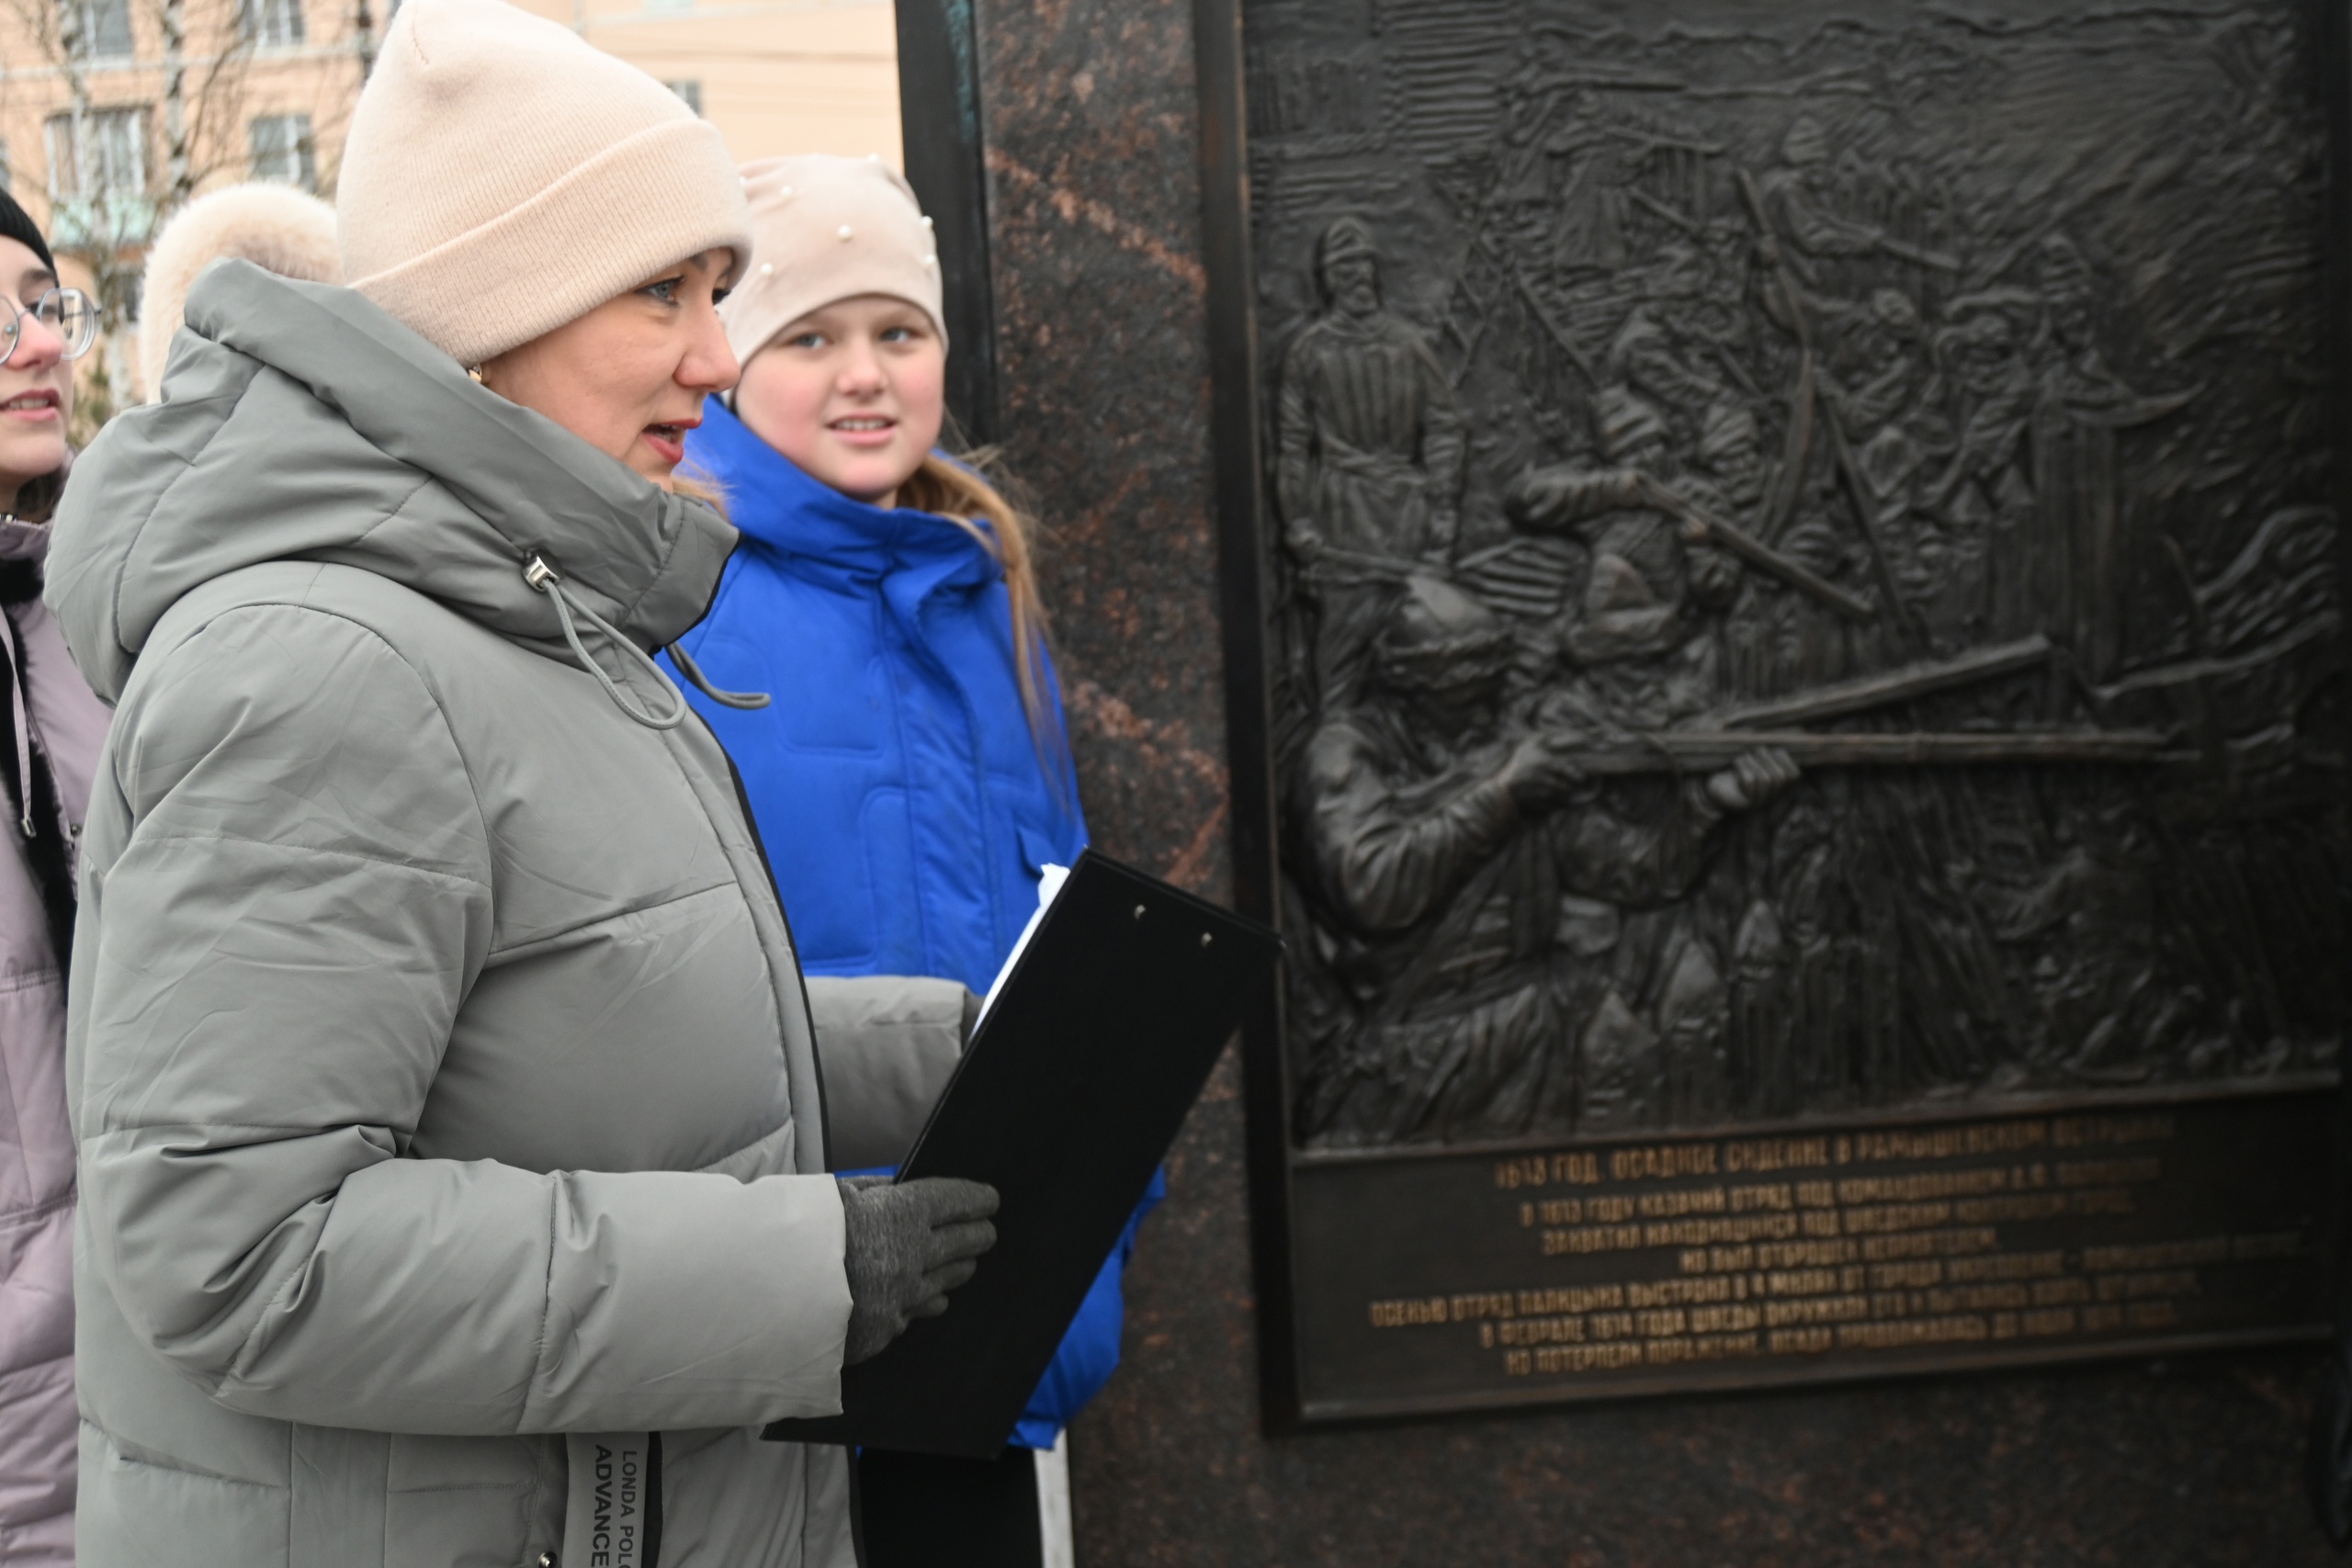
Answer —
1473 883
1642 635
1370 448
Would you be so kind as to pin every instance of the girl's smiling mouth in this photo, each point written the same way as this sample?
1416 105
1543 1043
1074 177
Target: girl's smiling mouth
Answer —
864 429
37 406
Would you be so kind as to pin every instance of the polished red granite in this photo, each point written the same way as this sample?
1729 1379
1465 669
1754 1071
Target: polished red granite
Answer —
1091 121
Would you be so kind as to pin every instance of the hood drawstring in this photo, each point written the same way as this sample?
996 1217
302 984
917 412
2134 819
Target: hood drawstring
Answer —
547 580
542 576
693 672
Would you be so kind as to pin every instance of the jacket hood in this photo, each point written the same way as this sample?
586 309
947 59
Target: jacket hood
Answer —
20 540
773 500
302 423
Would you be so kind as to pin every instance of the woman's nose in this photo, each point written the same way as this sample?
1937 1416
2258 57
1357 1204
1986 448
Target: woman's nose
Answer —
39 346
710 365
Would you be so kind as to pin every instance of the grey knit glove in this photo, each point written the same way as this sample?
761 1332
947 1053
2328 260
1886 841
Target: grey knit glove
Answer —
908 1244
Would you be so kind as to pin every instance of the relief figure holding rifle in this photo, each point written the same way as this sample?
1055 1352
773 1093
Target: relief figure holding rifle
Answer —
1477 885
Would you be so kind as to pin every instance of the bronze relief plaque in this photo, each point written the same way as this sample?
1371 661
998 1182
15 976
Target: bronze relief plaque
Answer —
1795 682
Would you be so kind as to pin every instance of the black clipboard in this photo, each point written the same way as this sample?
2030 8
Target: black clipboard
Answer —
1070 1092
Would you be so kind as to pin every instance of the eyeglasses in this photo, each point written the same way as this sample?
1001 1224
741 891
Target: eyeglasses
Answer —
70 313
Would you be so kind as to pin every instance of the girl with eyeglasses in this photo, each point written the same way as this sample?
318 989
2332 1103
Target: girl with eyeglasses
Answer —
49 749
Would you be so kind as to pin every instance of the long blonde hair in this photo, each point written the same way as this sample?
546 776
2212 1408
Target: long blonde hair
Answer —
964 492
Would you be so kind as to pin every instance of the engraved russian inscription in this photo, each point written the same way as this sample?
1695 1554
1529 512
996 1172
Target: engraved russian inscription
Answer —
1804 552
1791 1257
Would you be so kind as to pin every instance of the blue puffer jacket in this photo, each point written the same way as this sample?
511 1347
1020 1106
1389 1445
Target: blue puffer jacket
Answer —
901 799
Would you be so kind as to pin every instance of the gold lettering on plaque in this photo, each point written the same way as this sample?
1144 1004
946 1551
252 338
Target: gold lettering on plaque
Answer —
1478 1305
2107 1173
1537 1331
1408 1313
1776 1154
1947 1142
1513 1174
1570 1299
2009 1266
1662 1161
1581 1169
1696 1200
2078 1132
1926 1184
1910 1332
2157 1255
1851 1260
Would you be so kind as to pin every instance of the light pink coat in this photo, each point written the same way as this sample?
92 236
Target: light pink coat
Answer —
37 1413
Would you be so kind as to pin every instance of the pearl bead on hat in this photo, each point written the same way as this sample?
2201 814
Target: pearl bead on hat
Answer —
828 227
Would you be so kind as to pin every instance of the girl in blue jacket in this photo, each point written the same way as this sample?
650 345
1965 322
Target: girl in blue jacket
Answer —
911 775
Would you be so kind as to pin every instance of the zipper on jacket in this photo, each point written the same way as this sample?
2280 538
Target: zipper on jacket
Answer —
980 770
799 974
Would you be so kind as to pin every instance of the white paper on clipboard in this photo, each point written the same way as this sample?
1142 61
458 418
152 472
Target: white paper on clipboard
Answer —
1049 886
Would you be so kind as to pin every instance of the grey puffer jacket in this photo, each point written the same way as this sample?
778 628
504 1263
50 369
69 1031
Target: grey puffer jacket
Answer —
437 1055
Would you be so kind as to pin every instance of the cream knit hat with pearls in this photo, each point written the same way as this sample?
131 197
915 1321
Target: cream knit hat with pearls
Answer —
503 177
827 228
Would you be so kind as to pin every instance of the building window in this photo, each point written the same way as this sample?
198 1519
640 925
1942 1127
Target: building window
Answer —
96 28
109 158
282 149
98 177
690 91
270 24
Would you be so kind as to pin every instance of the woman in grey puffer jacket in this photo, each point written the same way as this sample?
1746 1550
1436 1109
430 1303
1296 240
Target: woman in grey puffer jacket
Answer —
451 1124
49 745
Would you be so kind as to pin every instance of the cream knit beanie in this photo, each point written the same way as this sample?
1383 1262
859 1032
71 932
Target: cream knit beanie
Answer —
503 177
275 227
826 229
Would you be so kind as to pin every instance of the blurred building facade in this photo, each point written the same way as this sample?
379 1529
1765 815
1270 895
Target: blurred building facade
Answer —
115 112
774 76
